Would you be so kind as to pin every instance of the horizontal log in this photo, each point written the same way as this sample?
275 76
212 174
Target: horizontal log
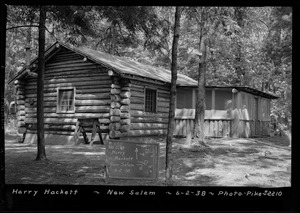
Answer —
137 90
92 108
125 101
150 85
115 112
114 126
125 121
46 94
162 109
125 94
79 90
143 126
79 73
167 92
125 88
33 86
137 94
66 64
92 96
72 63
71 79
59 127
53 96
137 100
45 104
115 105
92 69
63 120
33 110
53 120
137 106
92 102
135 113
77 115
148 120
163 95
163 104
146 132
92 91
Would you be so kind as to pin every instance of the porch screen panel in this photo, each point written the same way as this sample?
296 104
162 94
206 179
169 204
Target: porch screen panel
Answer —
208 96
184 99
223 99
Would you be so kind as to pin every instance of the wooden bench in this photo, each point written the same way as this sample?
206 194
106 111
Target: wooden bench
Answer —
81 126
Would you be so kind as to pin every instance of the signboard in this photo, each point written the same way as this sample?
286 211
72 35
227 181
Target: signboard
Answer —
132 160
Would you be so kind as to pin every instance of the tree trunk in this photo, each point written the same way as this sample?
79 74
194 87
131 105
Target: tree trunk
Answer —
41 152
169 160
198 135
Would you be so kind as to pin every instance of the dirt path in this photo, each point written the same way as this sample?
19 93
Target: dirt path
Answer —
227 162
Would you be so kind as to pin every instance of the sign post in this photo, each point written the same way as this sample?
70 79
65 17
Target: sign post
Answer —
131 160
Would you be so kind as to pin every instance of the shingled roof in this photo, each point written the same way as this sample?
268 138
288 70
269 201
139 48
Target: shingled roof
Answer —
122 66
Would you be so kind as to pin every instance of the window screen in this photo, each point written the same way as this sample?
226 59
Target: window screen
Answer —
184 99
150 100
66 100
223 99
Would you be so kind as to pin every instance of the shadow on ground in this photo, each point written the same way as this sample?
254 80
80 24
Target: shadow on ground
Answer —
225 162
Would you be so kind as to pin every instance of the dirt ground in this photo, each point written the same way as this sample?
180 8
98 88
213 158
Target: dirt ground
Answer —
262 162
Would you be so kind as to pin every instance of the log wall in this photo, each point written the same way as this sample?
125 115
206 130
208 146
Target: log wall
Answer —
92 99
20 103
148 123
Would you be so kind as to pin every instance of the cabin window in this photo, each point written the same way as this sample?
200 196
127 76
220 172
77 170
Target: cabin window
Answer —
66 100
150 100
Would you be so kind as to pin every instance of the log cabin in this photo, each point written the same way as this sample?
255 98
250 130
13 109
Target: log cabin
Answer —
127 99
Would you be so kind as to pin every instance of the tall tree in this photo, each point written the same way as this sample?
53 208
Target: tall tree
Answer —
41 151
169 155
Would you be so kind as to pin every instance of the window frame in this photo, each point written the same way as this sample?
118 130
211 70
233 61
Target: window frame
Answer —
58 110
145 99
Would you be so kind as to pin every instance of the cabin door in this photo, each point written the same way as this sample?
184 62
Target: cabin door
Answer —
256 121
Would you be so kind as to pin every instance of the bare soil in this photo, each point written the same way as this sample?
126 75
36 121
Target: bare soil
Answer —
262 162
